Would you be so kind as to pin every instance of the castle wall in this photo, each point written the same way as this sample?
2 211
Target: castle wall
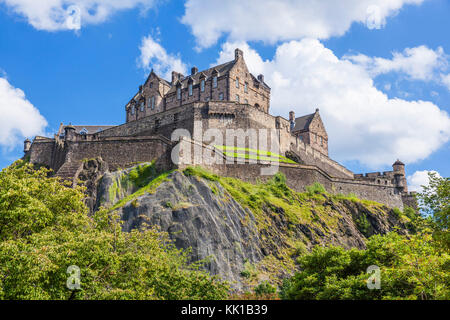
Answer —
122 152
41 152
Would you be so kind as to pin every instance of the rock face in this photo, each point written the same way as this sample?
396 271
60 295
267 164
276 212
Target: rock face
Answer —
196 218
202 215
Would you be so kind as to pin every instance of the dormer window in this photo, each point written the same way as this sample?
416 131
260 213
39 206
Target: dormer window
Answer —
215 82
190 89
179 93
202 85
83 131
237 82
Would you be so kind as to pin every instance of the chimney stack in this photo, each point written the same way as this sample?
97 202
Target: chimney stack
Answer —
261 78
194 70
292 119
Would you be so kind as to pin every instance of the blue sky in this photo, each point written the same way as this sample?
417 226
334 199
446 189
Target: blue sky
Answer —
383 91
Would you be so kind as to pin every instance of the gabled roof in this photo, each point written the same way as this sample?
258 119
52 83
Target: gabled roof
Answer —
157 77
302 123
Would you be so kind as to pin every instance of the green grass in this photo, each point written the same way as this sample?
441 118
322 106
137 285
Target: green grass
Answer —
253 154
150 188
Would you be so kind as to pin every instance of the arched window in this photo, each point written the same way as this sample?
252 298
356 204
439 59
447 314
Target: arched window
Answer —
257 105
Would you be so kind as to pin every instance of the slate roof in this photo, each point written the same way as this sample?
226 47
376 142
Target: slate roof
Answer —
221 69
302 123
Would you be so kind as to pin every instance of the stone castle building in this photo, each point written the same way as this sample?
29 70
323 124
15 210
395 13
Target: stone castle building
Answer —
223 97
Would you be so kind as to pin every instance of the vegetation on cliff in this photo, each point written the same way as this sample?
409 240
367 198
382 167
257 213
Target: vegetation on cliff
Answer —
411 267
45 228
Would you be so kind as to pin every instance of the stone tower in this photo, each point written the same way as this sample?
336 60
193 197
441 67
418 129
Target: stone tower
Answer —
400 176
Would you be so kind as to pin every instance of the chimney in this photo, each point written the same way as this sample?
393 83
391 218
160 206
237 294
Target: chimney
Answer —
194 70
175 76
292 119
260 78
317 110
238 54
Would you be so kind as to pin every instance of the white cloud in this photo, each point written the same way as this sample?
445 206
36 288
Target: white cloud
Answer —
18 117
281 20
154 56
419 63
446 80
362 122
54 15
419 179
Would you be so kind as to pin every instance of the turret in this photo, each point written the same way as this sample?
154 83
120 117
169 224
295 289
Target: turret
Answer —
69 132
26 145
400 176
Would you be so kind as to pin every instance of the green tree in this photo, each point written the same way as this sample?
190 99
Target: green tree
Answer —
411 268
45 228
435 201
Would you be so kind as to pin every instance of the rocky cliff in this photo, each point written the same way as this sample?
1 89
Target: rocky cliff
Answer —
246 232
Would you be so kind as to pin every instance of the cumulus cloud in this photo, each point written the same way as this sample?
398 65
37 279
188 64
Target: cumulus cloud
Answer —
54 15
18 117
419 63
362 122
154 56
418 179
446 80
281 20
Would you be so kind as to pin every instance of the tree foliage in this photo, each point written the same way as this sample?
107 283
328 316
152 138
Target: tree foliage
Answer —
45 228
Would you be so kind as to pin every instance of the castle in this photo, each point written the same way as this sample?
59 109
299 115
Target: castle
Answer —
224 97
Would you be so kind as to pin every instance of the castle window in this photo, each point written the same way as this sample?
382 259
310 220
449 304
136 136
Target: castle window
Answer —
321 141
246 87
190 89
221 96
202 85
237 98
179 93
132 110
237 82
215 82
142 106
151 84
152 104
246 101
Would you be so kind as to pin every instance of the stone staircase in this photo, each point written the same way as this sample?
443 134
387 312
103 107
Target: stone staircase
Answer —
68 170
